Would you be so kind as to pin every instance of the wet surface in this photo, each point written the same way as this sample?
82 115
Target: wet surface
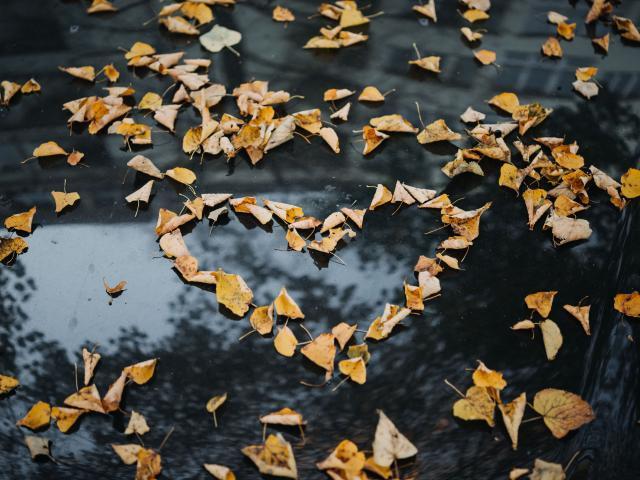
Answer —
52 302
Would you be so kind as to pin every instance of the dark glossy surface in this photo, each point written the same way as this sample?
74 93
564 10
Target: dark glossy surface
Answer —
52 302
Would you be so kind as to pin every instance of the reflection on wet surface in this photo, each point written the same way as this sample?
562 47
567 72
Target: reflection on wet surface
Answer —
52 302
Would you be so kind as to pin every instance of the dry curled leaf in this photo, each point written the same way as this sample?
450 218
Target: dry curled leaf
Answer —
512 414
551 48
219 472
274 457
282 14
580 313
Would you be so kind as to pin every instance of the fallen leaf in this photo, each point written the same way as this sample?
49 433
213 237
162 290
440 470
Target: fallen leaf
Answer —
371 94
470 35
87 398
580 313
20 221
66 417
547 471
628 304
476 405
149 464
214 403
38 446
343 333
285 342
321 351
428 10
282 14
552 338
382 326
111 399
85 73
602 42
556 18
344 462
562 411
64 199
551 48
144 165
38 416
541 302
220 472
329 135
586 89
90 360
141 372
180 25
8 384
286 306
115 290
389 444
220 37
137 424
372 139
631 183
355 369
233 293
181 175
274 457
471 116
485 57
485 377
430 63
262 319
437 131
512 414
474 15
284 416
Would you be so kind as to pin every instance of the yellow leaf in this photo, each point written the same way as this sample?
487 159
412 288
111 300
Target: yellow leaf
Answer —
66 417
562 411
8 384
631 183
87 398
214 404
547 471
586 73
413 296
282 14
11 246
149 464
233 293
473 15
141 372
139 49
347 460
64 199
274 457
581 314
321 351
20 221
352 17
85 73
343 333
90 361
512 414
111 399
566 30
128 453
541 302
285 342
430 63
506 101
286 306
381 196
30 86
111 73
37 417
476 405
372 139
150 101
551 48
437 131
628 304
371 94
355 369
49 149
284 416
262 319
485 377
181 175
485 57
294 240
119 287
